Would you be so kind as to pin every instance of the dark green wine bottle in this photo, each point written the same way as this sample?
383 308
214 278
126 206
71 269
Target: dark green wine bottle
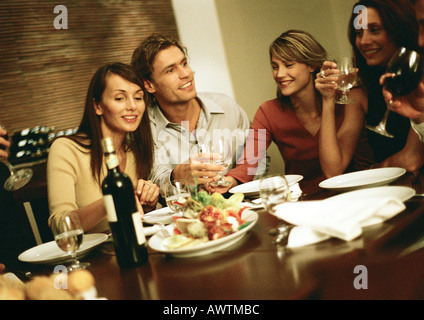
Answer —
122 213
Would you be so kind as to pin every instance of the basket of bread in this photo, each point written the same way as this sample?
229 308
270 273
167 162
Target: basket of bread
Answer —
75 285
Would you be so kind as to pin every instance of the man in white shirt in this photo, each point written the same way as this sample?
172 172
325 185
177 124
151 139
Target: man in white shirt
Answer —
412 105
181 119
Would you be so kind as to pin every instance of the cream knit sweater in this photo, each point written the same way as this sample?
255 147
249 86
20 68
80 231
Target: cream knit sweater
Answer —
70 184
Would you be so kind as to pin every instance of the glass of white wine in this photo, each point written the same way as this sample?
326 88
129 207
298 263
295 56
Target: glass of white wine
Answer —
221 155
273 191
346 79
68 234
176 195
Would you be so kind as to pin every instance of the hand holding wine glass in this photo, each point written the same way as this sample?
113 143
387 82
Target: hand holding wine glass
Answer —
18 178
68 234
406 69
410 105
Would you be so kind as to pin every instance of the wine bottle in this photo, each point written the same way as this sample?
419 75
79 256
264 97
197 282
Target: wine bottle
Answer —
124 218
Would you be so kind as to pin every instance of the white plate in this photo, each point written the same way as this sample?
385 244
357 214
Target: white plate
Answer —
156 242
362 179
400 193
250 189
162 215
49 252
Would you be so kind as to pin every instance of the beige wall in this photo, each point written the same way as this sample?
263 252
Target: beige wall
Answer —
247 27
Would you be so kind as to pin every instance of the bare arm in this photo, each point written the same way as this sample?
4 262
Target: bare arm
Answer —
336 147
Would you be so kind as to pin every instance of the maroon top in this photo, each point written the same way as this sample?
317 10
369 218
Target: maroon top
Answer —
297 146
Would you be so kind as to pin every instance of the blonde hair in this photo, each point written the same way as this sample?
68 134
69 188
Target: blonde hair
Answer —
299 46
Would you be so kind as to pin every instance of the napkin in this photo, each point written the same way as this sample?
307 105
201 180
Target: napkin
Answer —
319 220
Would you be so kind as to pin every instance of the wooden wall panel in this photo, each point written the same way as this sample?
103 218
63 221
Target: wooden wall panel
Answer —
45 72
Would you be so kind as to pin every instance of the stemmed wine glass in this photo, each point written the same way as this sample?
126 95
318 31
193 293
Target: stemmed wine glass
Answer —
17 178
176 195
68 234
221 155
406 67
381 127
346 79
273 191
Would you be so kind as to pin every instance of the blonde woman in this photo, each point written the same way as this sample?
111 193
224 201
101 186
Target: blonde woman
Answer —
315 137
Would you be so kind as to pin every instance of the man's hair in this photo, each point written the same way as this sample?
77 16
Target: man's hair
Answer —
144 55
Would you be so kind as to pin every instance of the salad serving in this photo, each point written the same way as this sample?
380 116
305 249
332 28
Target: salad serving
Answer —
208 217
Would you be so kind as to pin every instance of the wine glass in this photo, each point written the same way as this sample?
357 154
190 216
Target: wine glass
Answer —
273 191
221 155
381 127
406 66
176 195
68 234
17 178
346 79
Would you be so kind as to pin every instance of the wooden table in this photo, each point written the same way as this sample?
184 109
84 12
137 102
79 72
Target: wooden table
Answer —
256 269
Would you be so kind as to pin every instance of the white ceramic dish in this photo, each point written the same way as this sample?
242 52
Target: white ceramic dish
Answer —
251 189
156 242
362 179
162 215
400 193
49 252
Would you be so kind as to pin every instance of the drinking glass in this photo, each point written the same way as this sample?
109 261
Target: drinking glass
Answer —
381 127
68 234
407 69
176 195
346 79
221 155
273 191
17 178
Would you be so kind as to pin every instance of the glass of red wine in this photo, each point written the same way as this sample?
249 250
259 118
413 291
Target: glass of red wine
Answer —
406 67
18 178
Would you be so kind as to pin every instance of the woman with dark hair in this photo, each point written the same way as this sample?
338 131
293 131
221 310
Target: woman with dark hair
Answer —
303 120
115 107
390 24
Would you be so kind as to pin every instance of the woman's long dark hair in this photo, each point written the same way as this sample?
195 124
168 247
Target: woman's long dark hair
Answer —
400 23
89 134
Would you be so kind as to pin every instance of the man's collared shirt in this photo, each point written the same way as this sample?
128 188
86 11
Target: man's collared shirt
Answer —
174 143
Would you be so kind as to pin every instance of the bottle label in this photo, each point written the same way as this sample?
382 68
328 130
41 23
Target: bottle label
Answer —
112 161
138 226
110 208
